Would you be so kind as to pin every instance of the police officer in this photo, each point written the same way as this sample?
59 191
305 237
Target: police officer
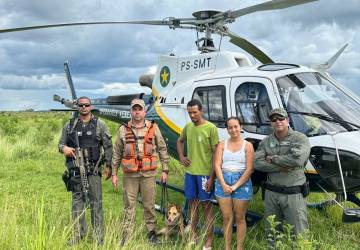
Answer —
92 136
138 146
283 155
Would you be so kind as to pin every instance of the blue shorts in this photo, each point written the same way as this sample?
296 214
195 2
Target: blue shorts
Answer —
245 192
195 187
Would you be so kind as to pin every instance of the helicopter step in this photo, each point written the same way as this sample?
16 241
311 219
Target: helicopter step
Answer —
351 215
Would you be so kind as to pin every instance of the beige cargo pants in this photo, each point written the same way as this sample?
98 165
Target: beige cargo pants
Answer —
132 187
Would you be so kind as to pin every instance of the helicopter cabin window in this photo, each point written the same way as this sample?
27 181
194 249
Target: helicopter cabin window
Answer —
253 107
213 100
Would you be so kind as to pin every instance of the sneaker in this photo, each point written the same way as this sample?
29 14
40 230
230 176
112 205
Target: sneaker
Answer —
122 241
100 243
73 241
153 239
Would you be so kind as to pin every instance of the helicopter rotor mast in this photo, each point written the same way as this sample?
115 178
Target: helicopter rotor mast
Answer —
207 21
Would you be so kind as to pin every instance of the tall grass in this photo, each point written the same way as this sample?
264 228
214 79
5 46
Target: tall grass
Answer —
35 209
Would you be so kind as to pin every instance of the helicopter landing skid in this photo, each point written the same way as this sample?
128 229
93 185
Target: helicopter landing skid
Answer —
353 198
321 205
350 215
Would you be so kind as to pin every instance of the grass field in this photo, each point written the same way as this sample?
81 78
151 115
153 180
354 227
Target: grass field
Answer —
35 209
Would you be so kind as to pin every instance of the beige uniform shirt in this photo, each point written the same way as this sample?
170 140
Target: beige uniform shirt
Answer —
160 150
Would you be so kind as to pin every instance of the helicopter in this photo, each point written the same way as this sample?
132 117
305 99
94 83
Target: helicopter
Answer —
230 84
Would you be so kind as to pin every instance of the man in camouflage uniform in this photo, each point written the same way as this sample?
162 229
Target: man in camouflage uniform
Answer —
138 146
93 137
283 155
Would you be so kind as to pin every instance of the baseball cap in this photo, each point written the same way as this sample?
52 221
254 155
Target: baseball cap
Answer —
139 102
278 111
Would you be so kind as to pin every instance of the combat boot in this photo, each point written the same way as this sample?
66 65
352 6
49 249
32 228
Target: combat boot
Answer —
153 239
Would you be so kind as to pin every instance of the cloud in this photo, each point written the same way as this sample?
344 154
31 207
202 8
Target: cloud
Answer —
18 82
102 57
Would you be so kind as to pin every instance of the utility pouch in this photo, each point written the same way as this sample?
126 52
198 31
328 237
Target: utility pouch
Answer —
149 163
75 184
130 165
305 189
66 179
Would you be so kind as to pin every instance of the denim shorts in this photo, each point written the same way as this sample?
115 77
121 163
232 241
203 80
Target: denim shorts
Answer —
195 187
244 192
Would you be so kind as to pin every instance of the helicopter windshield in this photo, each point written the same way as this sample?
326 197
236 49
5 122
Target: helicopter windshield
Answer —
313 93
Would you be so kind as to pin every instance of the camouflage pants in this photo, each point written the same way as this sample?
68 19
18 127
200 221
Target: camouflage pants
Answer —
289 208
79 209
132 186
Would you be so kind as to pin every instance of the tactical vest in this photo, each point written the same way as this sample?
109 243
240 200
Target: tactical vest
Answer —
87 138
131 161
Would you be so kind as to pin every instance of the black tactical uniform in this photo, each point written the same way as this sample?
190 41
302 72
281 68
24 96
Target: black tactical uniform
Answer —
93 137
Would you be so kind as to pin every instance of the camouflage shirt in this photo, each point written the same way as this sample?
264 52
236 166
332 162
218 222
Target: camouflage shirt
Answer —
290 154
160 149
102 133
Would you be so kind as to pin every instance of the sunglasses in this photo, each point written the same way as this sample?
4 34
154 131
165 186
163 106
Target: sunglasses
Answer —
84 105
275 119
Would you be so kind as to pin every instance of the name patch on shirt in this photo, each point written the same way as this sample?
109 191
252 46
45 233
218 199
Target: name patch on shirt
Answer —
285 143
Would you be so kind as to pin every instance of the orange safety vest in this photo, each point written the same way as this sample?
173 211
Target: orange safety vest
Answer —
131 161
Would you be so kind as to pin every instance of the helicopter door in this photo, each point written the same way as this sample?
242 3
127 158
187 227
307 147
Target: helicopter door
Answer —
252 100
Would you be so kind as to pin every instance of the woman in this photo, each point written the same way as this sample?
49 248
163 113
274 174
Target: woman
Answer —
234 165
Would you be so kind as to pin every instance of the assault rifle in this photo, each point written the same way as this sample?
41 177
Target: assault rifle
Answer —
80 163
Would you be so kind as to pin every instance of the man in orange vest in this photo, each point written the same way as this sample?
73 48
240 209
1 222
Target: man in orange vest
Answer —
137 149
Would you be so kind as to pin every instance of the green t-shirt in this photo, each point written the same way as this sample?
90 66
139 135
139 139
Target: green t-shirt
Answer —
200 140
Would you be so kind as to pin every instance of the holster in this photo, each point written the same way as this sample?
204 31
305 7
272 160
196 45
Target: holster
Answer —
72 180
262 185
305 189
66 180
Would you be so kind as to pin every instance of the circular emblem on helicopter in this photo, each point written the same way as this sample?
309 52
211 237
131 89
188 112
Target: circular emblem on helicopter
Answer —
164 76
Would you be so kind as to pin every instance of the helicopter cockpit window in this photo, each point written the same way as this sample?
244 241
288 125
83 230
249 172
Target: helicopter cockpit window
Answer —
314 94
252 107
213 100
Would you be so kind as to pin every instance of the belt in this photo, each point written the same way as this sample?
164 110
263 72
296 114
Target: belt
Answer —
284 190
76 172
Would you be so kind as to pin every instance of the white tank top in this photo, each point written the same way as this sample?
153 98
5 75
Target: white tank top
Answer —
233 161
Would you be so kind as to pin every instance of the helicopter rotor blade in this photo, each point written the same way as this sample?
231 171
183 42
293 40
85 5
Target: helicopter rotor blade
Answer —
173 22
270 5
249 47
169 22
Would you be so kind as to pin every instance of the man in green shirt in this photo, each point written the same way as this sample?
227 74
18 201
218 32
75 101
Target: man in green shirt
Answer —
201 138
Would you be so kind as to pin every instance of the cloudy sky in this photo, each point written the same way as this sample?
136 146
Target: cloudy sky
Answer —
107 60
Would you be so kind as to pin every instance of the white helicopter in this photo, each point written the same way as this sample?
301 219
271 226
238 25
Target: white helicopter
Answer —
229 84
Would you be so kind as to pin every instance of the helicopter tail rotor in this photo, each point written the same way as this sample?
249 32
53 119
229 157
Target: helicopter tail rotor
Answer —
68 103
